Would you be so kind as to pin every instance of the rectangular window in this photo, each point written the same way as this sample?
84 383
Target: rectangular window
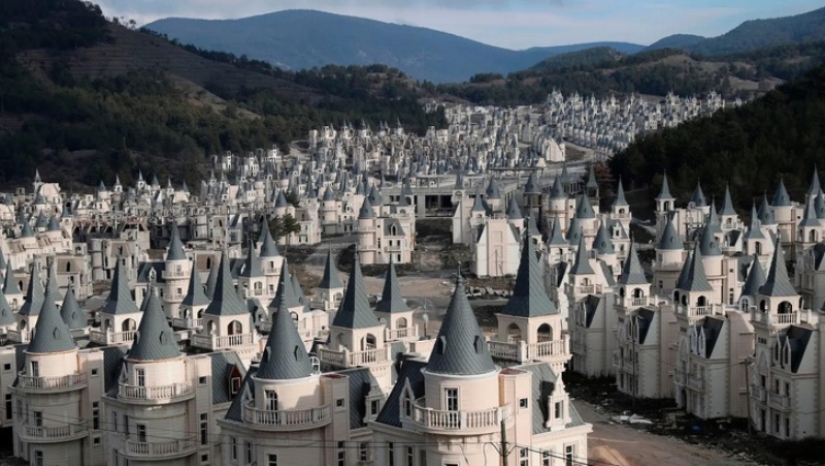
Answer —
546 458
390 454
204 428
568 455
114 422
95 415
38 419
524 457
126 424
271 400
558 410
374 407
363 451
339 403
342 454
35 366
233 444
141 433
38 458
787 427
201 380
522 403
204 458
451 398
7 367
8 406
249 452
410 456
94 372
272 460
140 377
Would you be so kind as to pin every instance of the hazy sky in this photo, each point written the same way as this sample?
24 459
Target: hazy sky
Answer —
513 24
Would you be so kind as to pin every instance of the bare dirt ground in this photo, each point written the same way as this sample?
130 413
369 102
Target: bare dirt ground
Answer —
641 448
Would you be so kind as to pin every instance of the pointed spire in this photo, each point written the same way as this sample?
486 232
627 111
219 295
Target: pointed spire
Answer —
755 226
632 272
781 197
557 237
460 347
698 197
195 295
35 294
727 204
212 282
708 243
664 193
620 198
268 246
777 283
71 313
557 191
154 340
670 240
176 252
766 216
52 286
583 208
814 188
694 276
529 297
492 190
574 232
120 298
366 210
582 264
285 356
391 300
809 219
9 283
756 278
6 313
532 185
330 279
252 265
286 292
51 335
513 212
354 311
225 300
602 243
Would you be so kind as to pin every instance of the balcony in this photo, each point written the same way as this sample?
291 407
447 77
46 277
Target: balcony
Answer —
458 422
160 450
631 302
624 216
55 384
286 420
43 434
112 338
402 333
695 382
759 393
159 394
19 336
187 323
767 318
617 362
780 402
174 274
215 342
520 351
629 367
700 311
353 359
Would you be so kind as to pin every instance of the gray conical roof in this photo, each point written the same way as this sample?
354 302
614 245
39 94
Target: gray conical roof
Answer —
557 237
51 335
694 277
727 204
708 243
777 283
366 210
53 225
755 226
591 178
670 240
195 296
632 272
286 292
35 294
582 264
664 193
71 313
529 297
268 246
814 188
756 278
354 311
120 298
781 197
285 356
698 197
819 205
329 194
391 300
574 232
252 265
9 284
27 231
330 279
2 260
492 190
809 218
602 243
583 208
460 347
154 340
620 198
713 222
212 282
557 191
513 212
532 185
765 214
176 252
281 201
52 286
299 292
225 300
6 313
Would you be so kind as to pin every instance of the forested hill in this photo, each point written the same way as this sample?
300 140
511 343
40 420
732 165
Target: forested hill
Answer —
84 99
778 136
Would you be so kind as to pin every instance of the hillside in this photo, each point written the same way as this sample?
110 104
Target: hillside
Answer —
753 35
588 57
300 39
655 72
752 147
84 99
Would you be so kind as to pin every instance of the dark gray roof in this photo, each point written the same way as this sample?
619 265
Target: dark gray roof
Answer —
664 193
513 212
195 296
693 276
620 198
35 295
602 243
557 191
285 356
814 188
9 283
120 298
112 363
698 197
529 297
154 340
582 264
366 209
712 328
632 272
766 217
755 280
51 335
810 218
6 313
584 210
252 265
781 197
670 240
299 293
532 185
223 364
354 311
391 300
460 348
644 319
281 201
268 246
176 252
410 371
212 281
543 383
71 313
492 190
557 237
330 279
707 242
727 204
777 283
798 339
52 287
591 305
361 382
755 226
285 295
235 411
225 300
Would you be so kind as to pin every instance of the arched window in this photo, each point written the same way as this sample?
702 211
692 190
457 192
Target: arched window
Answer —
545 333
234 328
368 342
513 333
68 267
784 307
812 236
128 325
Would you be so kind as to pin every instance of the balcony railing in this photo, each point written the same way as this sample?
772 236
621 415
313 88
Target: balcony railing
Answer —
112 338
160 393
167 274
778 401
57 383
54 434
164 449
19 336
401 333
353 359
215 342
700 311
291 419
187 323
767 318
520 351
487 420
679 377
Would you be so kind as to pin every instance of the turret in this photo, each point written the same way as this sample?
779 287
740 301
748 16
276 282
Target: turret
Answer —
331 288
176 273
120 316
665 200
393 310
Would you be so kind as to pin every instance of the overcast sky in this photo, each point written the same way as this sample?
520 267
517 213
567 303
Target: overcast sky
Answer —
515 24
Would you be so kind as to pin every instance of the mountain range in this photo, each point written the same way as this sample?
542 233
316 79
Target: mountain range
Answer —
298 39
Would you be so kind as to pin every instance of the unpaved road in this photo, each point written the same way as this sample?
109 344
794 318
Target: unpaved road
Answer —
641 448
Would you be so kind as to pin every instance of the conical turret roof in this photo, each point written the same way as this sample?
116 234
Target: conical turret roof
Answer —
212 282
557 191
698 197
620 198
225 300
6 313
252 265
602 243
756 278
727 204
694 278
71 313
632 272
154 340
557 237
814 188
268 246
777 282
582 264
755 226
35 294
354 311
391 300
670 240
195 295
120 298
176 251
366 210
9 284
664 193
532 185
781 197
584 210
708 243
330 279
285 356
765 214
513 212
51 335
529 297
460 347
286 292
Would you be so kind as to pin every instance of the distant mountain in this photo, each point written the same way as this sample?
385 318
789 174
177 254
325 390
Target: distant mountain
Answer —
298 39
753 35
676 41
588 57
